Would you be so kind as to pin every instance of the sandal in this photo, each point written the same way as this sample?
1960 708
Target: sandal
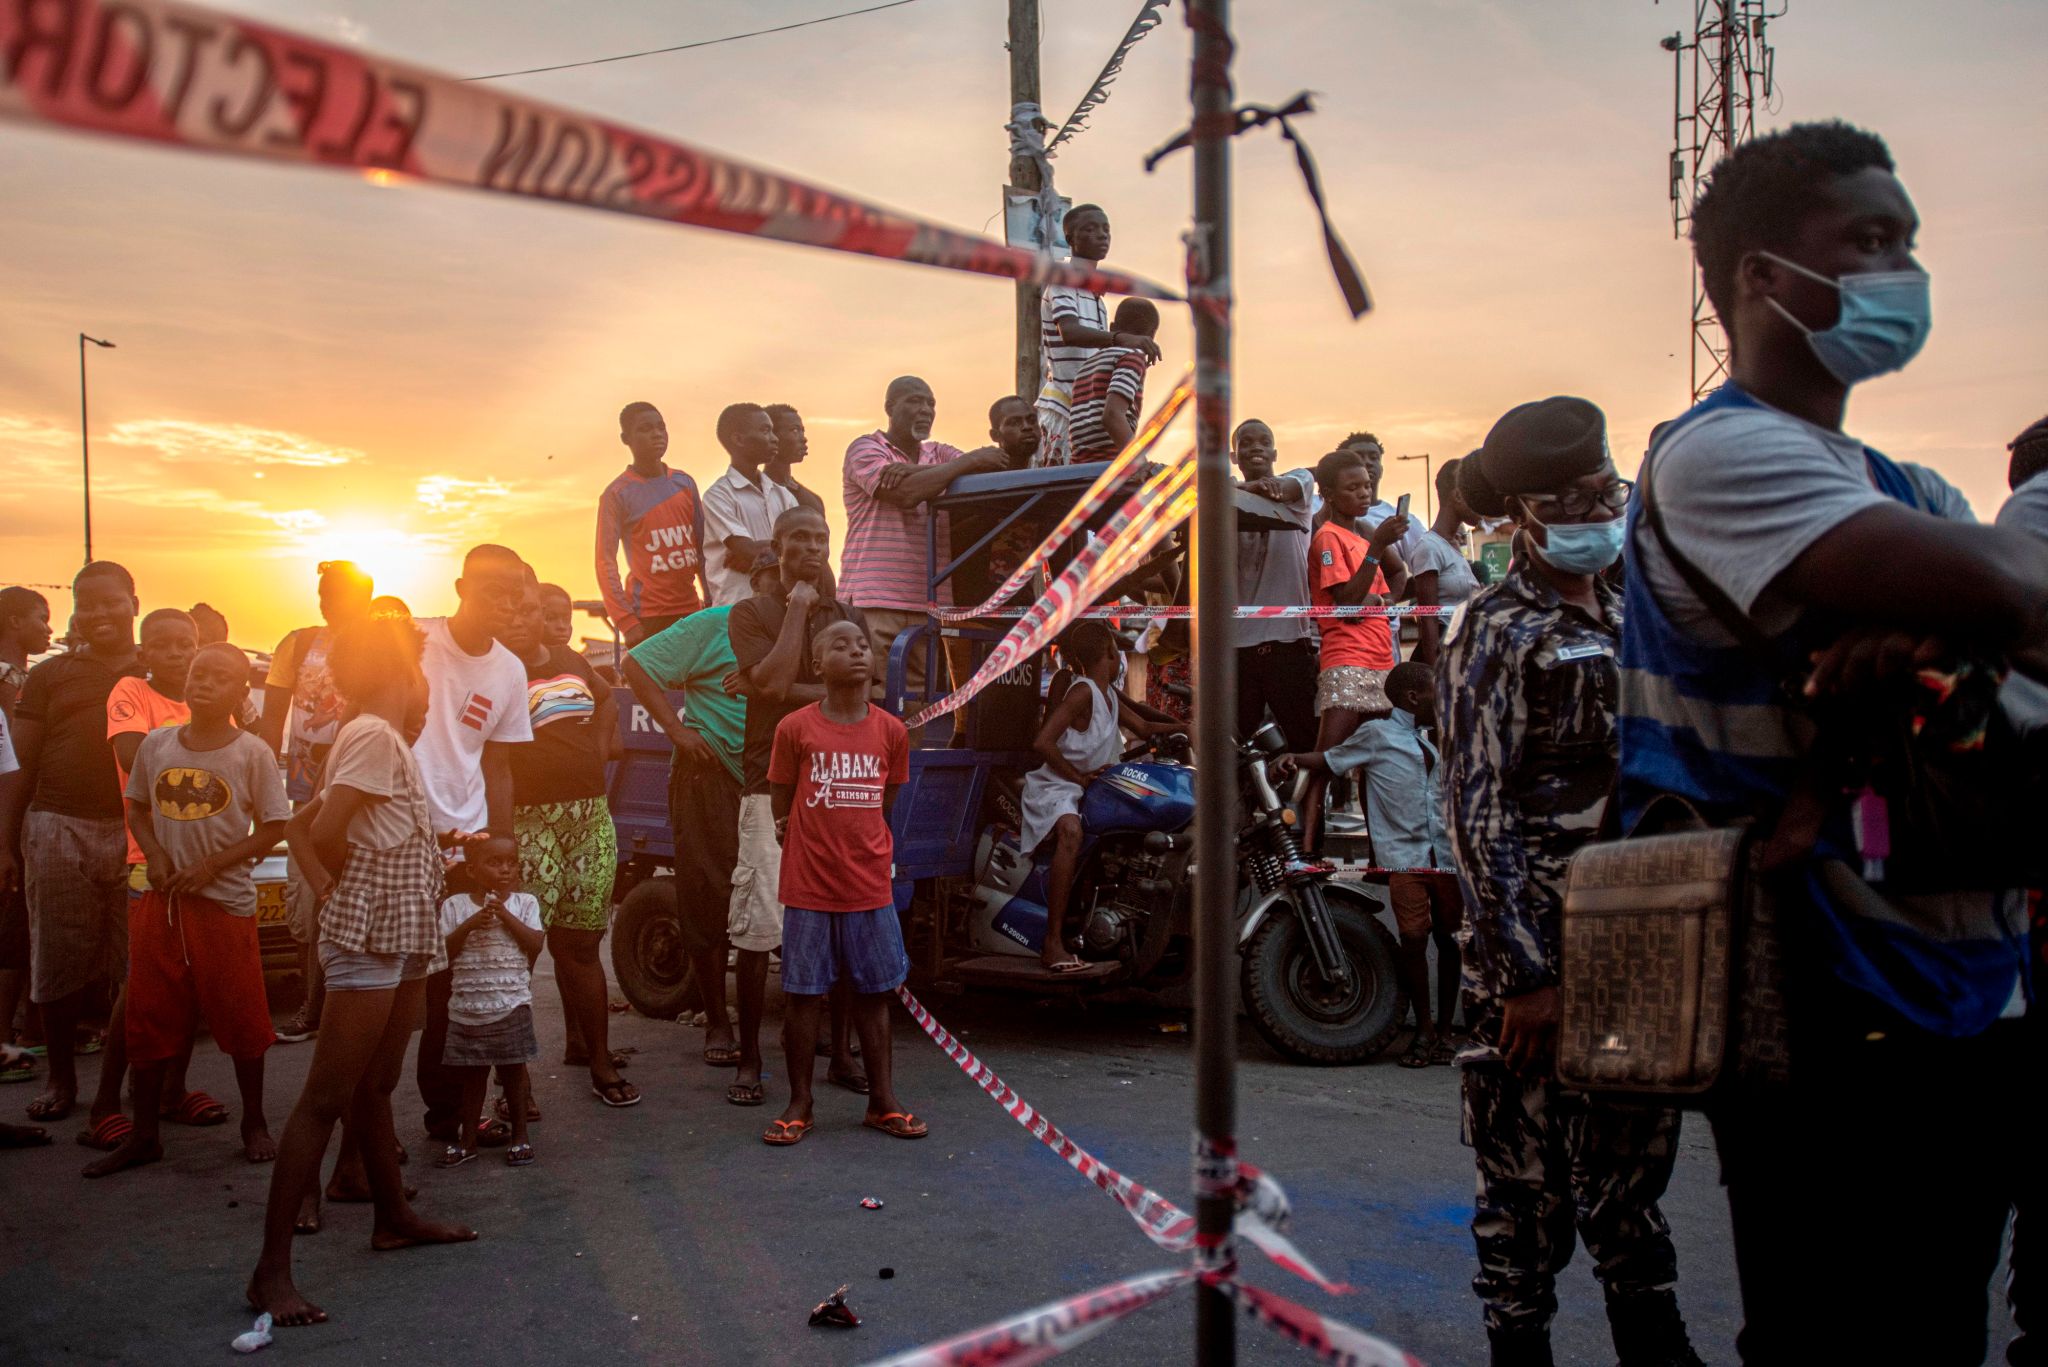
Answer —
897 1125
23 1137
196 1108
454 1156
493 1133
106 1133
503 1109
627 1093
1444 1052
783 1133
48 1107
746 1094
21 1069
1417 1055
93 1042
519 1155
723 1056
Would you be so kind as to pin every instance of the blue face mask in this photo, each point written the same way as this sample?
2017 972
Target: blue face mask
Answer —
1582 547
1884 322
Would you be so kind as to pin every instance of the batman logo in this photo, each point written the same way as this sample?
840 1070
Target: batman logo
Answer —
191 794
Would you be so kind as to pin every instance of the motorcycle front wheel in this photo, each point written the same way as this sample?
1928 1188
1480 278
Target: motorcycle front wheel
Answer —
1303 1017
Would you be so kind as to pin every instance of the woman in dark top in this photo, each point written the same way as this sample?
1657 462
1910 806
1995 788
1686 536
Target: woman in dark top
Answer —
568 847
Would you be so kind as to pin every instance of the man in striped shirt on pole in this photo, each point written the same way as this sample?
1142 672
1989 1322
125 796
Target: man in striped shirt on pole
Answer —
1109 388
1073 325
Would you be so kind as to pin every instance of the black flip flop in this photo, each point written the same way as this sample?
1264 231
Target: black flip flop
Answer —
746 1094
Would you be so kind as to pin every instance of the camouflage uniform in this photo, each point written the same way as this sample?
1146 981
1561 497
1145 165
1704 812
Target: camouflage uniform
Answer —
1527 693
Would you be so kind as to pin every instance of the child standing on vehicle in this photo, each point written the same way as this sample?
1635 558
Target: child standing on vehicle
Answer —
833 775
1080 738
494 935
193 794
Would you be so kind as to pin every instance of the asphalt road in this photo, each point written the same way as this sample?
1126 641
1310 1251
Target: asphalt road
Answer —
668 1233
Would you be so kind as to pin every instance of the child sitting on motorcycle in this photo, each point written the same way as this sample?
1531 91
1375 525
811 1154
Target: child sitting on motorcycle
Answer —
1080 738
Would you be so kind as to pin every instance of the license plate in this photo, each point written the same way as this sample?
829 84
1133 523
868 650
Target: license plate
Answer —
270 905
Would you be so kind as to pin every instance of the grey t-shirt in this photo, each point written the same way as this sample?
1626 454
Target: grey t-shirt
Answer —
202 801
1745 491
1455 581
1272 571
2026 701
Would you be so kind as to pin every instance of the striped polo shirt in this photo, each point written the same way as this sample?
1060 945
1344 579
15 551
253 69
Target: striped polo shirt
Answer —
1108 371
884 562
1062 362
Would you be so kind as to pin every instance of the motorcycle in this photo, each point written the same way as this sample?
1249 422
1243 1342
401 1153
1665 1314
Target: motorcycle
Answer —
1318 974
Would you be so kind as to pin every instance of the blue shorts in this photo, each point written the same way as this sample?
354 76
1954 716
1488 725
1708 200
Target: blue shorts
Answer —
355 970
821 947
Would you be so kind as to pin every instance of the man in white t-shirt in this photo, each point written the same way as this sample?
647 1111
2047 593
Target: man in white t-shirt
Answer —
741 505
1763 538
476 710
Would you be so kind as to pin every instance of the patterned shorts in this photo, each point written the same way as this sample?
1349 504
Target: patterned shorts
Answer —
568 856
1353 688
75 878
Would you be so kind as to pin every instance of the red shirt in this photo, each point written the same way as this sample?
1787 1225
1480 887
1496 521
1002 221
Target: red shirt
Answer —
837 853
1334 555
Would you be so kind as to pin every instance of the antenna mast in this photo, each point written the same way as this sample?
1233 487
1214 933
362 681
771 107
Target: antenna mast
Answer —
1732 64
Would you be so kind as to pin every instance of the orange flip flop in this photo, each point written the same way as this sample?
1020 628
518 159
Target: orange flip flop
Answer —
898 1125
783 1133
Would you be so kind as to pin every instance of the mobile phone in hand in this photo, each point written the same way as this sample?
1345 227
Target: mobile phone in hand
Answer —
1401 505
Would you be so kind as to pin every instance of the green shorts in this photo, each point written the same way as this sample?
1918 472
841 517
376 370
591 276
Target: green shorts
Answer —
568 856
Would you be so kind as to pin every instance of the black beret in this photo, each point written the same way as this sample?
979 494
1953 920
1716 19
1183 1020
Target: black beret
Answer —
1541 446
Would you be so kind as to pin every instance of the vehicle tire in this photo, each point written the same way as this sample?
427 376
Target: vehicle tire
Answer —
649 957
1305 1023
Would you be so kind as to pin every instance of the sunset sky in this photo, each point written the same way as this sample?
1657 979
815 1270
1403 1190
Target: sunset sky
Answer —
310 366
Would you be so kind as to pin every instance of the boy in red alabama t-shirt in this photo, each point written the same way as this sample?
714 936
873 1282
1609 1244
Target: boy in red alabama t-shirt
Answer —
832 777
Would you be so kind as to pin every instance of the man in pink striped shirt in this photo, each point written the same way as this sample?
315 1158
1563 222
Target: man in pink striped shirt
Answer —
890 478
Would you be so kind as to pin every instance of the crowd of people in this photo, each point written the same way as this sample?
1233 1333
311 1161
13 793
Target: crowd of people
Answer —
440 785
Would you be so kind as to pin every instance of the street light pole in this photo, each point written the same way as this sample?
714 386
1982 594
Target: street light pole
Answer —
85 437
1428 485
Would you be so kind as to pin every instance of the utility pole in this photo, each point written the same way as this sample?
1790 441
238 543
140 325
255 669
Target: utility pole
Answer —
1216 796
1428 484
1024 176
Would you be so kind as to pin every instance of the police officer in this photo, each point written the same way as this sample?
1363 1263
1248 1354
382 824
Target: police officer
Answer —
1527 695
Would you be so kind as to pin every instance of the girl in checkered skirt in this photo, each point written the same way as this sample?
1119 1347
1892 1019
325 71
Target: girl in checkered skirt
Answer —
366 846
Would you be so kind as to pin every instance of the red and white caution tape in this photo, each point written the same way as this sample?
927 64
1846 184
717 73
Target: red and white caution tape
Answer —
1165 500
1330 1340
1141 612
1263 1207
1090 503
1163 1222
1048 1331
184 76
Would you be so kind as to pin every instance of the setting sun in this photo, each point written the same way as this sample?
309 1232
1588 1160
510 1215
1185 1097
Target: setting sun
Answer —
417 568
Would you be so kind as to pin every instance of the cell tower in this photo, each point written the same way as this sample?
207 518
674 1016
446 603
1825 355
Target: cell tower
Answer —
1713 111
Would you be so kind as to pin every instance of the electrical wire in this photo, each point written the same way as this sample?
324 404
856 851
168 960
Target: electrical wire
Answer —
685 47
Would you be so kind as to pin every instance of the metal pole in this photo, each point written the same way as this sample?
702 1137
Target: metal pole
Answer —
1216 799
85 447
1024 89
1428 485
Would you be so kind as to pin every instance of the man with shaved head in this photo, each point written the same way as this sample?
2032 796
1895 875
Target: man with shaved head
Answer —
891 476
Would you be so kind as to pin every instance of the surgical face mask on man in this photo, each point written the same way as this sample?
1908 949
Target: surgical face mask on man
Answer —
1582 547
1884 321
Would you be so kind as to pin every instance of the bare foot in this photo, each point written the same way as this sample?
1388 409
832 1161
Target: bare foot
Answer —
405 1233
308 1220
355 1190
257 1145
275 1296
55 1104
133 1152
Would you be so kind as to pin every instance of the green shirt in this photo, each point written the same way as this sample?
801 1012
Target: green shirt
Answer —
694 656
